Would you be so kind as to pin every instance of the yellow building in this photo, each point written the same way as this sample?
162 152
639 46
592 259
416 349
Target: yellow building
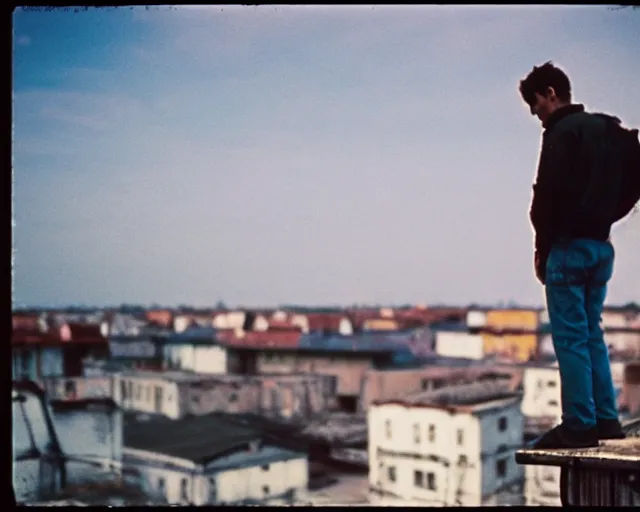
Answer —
512 319
520 346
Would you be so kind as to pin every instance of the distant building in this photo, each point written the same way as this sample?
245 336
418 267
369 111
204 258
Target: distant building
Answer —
542 401
453 446
206 460
43 350
176 394
459 344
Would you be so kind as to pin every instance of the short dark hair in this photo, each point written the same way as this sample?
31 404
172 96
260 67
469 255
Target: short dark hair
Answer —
543 77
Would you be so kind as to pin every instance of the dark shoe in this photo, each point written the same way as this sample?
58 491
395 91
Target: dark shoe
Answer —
562 437
610 429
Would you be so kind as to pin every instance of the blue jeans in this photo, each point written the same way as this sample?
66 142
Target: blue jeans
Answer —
576 287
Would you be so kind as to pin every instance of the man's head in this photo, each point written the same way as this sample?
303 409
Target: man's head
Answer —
546 89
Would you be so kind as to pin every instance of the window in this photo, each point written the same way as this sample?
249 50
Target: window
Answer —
432 433
553 403
161 487
502 424
501 468
416 433
265 489
391 471
462 460
418 478
425 384
183 490
387 425
265 467
431 481
213 491
551 383
233 397
460 437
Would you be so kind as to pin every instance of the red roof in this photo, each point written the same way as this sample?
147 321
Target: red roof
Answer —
87 333
329 322
279 339
282 325
80 333
24 321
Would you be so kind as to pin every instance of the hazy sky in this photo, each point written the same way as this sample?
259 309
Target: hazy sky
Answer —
311 155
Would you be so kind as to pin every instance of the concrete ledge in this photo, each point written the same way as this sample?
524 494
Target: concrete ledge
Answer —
622 454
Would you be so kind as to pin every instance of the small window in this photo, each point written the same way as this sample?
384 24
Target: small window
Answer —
183 490
501 468
425 384
431 481
462 460
265 467
161 485
432 433
265 489
391 471
418 478
233 397
416 433
553 403
195 399
502 424
387 425
551 383
460 437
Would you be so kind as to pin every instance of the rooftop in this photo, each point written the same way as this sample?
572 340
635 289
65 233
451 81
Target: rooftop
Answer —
462 397
194 438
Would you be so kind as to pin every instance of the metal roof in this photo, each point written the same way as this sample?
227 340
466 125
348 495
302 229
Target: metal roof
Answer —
194 438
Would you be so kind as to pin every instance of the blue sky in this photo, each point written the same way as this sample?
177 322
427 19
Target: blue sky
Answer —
312 155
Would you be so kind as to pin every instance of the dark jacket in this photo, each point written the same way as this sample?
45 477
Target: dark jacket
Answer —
573 150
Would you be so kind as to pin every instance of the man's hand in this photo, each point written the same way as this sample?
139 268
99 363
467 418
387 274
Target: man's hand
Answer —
540 267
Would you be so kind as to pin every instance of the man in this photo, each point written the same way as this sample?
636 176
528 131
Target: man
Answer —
573 255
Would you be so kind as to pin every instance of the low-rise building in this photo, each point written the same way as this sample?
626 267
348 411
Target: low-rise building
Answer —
392 384
176 394
453 446
205 460
49 351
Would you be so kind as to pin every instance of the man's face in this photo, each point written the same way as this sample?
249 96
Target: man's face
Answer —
545 105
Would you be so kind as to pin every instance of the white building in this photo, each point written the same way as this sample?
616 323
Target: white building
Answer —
196 350
542 399
453 446
542 486
459 344
476 319
205 460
